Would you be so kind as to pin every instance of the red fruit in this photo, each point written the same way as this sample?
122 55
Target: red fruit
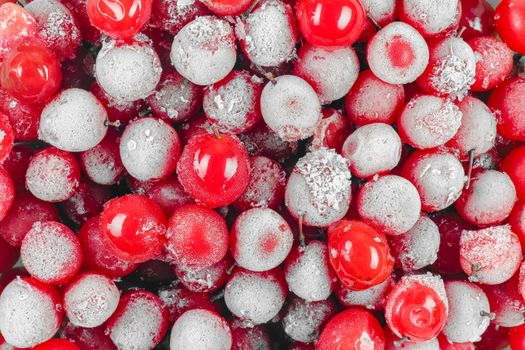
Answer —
214 169
17 24
7 192
178 300
494 64
510 23
332 130
88 338
7 137
197 236
514 165
134 227
87 202
16 165
331 24
444 344
31 72
57 344
477 17
507 102
495 337
119 19
262 141
506 302
359 254
430 18
171 16
244 338
8 256
517 222
89 32
349 329
118 111
227 7
23 116
169 194
207 279
517 338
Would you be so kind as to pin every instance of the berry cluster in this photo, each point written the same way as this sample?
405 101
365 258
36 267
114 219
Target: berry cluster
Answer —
262 174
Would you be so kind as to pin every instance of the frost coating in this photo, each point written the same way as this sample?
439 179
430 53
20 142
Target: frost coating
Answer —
372 298
432 16
303 320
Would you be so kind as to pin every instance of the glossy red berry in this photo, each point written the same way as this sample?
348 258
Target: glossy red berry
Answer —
494 64
359 254
57 344
510 23
331 24
17 24
517 338
514 165
23 116
7 137
7 192
119 19
134 227
477 17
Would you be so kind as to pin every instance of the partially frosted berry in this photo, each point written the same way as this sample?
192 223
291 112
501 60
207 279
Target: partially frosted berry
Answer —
262 141
87 202
197 237
87 338
318 190
53 175
90 299
506 102
7 193
175 98
494 62
260 239
119 112
24 117
256 337
371 100
214 170
119 19
308 272
227 7
268 34
397 54
16 164
128 72
102 163
177 299
517 337
489 199
445 344
491 255
290 107
418 247
349 328
469 312
391 204
171 16
57 344
382 12
513 165
372 149
134 227
509 23
331 73
477 17
372 298
332 130
255 297
16 24
169 194
206 279
31 312
56 26
7 137
506 303
477 132
393 342
428 121
417 307
431 18
150 149
200 329
516 221
204 50
140 321
438 176
74 121
303 320
232 104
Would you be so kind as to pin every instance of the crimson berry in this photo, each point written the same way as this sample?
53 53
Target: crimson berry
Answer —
57 344
227 7
169 194
517 337
510 23
507 102
514 165
87 202
88 338
7 137
517 222
134 227
7 192
214 170
444 344
16 24
359 254
331 24
120 19
23 116
178 300
477 17
332 130
494 64
31 72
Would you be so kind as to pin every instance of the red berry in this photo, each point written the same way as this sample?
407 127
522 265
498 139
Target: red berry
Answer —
506 101
430 18
332 130
250 338
87 202
510 23
177 299
8 256
118 111
517 222
7 192
88 338
514 165
517 338
171 16
7 137
444 344
169 194
227 7
506 302
23 116
207 279
331 23
57 344
372 298
17 24
359 254
477 17
494 64
134 226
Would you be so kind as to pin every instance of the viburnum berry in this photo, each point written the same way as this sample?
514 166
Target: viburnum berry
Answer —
8 256
494 65
23 116
7 137
372 298
87 338
505 102
7 193
250 338
332 130
206 279
169 194
177 299
171 16
477 17
382 12
514 165
506 302
227 7
509 19
57 344
517 222
431 18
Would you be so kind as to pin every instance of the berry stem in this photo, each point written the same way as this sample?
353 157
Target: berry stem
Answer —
470 166
302 242
460 32
374 22
490 315
400 342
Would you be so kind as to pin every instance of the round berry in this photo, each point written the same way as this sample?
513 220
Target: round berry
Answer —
119 112
506 101
477 17
393 342
23 116
517 337
262 141
494 64
372 298
429 17
7 193
382 12
509 19
206 279
332 131
57 344
250 337
17 24
169 194
506 302
514 166
171 16
178 300
119 19
102 163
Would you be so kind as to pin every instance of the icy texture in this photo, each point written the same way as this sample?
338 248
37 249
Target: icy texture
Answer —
204 50
432 16
302 320
429 121
372 298
90 300
74 121
372 149
379 9
206 279
262 239
491 255
418 247
380 58
391 204
468 312
319 188
101 165
29 316
290 107
128 72
268 34
149 149
200 329
331 73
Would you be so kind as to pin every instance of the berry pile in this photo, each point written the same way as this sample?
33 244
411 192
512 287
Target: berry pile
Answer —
262 174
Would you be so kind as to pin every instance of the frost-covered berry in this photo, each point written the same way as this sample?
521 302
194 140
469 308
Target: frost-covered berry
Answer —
494 62
200 329
268 34
171 16
74 121
90 299
7 192
256 337
397 54
506 303
206 279
290 107
150 149
204 50
431 18
372 298
128 72
318 190
331 73
332 131
372 149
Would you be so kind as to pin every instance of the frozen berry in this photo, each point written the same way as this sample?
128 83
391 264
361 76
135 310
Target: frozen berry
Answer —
250 337
494 63
119 19
227 7
177 299
506 102
206 279
17 24
380 12
477 17
431 18
169 194
514 165
506 303
87 338
332 130
509 18
7 137
23 116
7 193
372 298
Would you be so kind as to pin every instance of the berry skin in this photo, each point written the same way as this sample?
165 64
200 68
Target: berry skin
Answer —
494 64
432 19
7 193
57 344
214 170
514 166
477 16
317 19
23 116
7 137
119 19
517 337
17 24
359 254
227 7
171 16
134 227
510 23
506 102
8 256
348 329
